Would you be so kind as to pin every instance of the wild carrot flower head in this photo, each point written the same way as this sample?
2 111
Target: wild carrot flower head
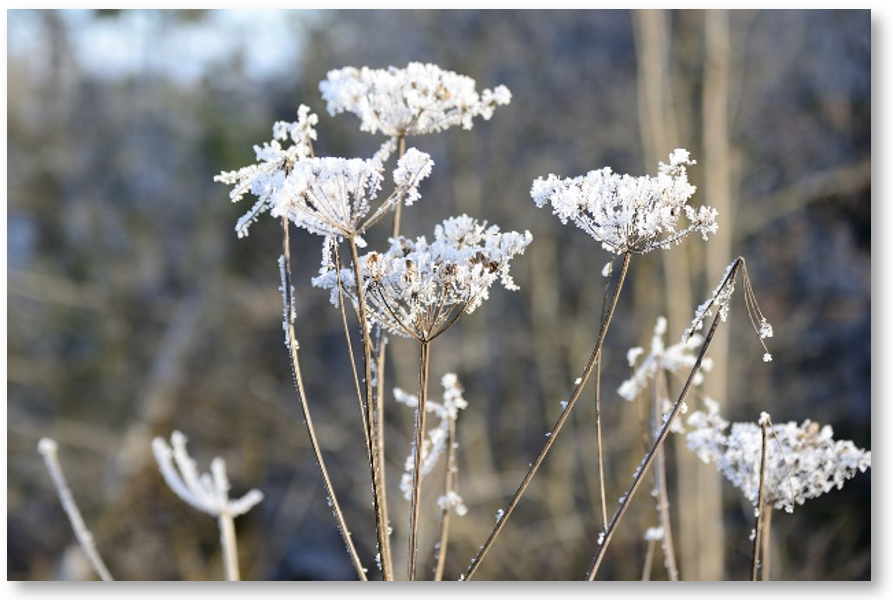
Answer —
626 213
273 162
419 288
803 461
333 196
418 99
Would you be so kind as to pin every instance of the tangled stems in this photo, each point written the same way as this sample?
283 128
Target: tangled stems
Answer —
594 358
299 385
605 537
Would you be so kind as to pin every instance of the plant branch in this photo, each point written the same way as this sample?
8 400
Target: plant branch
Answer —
562 418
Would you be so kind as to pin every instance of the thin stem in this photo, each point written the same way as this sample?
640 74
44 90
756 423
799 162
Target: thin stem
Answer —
650 457
649 560
448 484
660 483
228 544
767 540
761 509
305 408
598 437
550 439
401 150
48 449
376 452
350 353
424 360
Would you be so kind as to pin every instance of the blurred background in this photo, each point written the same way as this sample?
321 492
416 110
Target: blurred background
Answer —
134 310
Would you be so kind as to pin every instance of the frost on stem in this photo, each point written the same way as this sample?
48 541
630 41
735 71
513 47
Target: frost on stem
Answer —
207 492
273 162
415 100
418 289
627 213
803 461
720 301
434 445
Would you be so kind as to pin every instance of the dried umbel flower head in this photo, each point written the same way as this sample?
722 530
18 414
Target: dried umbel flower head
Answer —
333 196
418 289
626 213
803 461
273 162
418 99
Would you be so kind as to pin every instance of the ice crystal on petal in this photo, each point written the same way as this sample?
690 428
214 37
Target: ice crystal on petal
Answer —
418 289
803 461
418 99
627 213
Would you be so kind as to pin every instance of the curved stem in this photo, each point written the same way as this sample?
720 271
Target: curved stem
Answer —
48 449
550 439
424 360
305 408
605 538
376 452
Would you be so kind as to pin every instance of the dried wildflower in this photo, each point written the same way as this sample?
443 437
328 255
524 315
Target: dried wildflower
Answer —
416 100
434 446
274 161
626 213
803 461
333 197
208 492
679 356
418 289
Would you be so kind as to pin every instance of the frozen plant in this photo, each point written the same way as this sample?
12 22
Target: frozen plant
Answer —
273 163
628 214
438 440
679 356
803 460
418 288
207 492
418 99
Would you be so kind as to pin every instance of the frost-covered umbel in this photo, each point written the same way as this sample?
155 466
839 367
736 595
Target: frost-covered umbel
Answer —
208 492
333 196
435 445
626 213
330 196
273 162
418 289
803 461
418 99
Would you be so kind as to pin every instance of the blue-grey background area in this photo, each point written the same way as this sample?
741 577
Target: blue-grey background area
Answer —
134 310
